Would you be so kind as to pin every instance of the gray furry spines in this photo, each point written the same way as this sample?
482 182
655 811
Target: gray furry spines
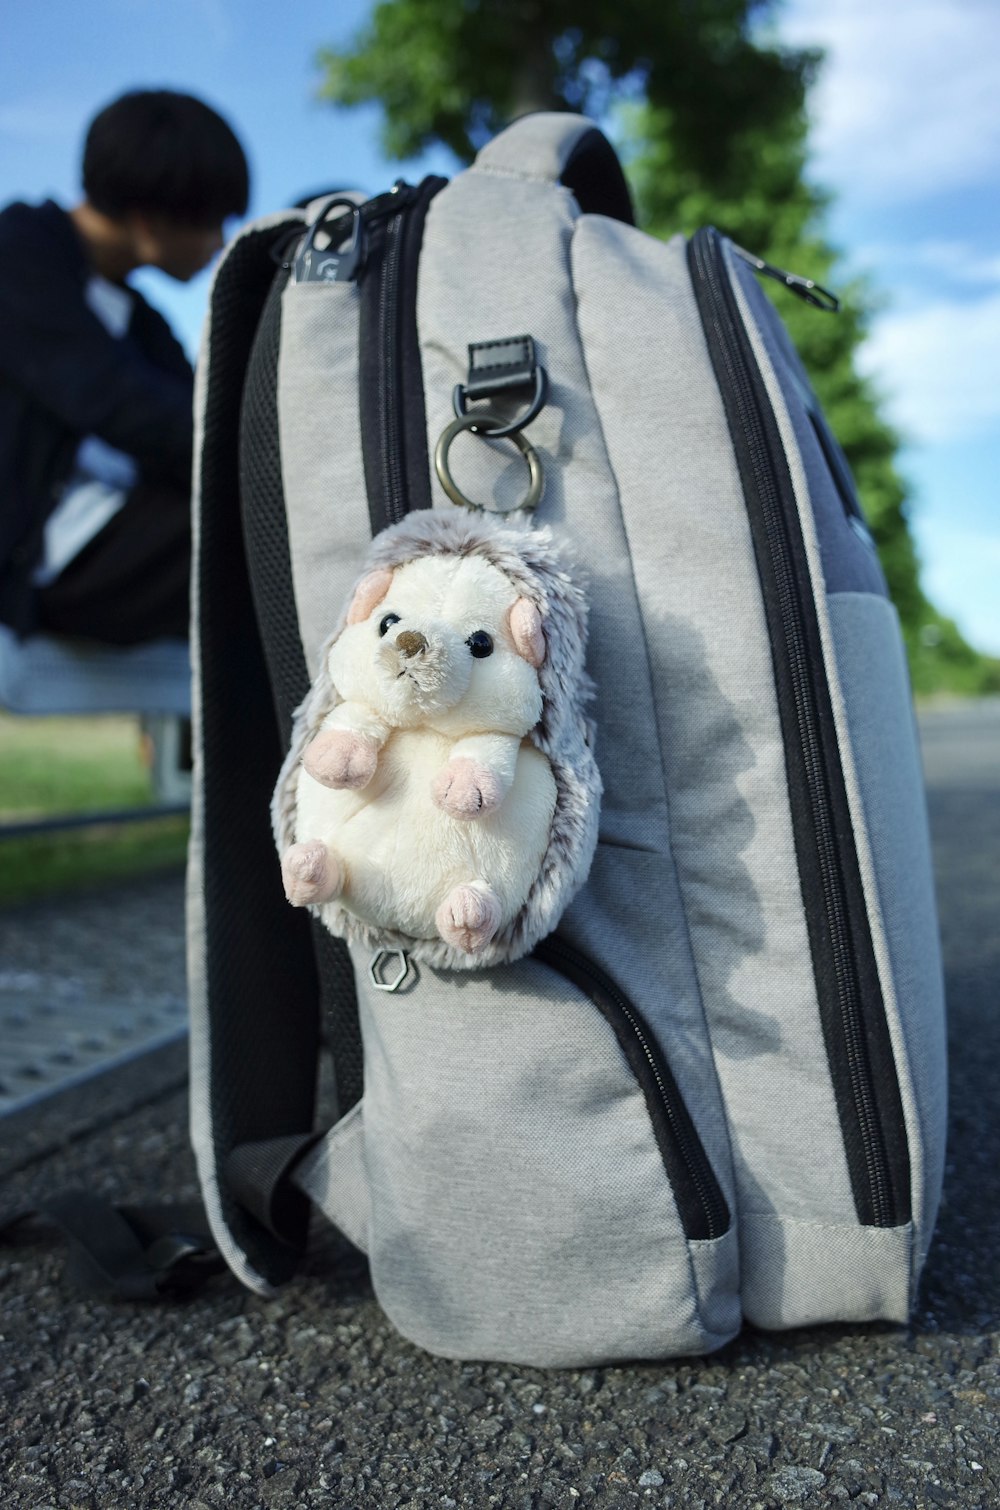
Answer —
543 572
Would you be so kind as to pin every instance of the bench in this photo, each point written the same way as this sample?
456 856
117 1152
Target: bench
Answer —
43 674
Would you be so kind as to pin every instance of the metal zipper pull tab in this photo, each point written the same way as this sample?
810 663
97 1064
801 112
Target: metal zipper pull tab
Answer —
388 969
324 257
804 288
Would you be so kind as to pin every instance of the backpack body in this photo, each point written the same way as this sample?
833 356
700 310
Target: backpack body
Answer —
717 1091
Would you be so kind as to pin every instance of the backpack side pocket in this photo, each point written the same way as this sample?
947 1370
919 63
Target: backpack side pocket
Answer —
538 1192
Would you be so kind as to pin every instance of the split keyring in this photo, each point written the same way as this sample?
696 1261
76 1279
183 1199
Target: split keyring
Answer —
485 422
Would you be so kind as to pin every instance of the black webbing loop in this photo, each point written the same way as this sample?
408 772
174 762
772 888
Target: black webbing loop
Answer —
132 1252
498 369
259 1175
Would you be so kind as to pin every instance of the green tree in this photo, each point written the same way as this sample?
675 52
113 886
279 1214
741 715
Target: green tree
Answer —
711 115
455 71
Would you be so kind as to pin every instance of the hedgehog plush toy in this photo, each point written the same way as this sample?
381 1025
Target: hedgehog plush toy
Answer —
440 794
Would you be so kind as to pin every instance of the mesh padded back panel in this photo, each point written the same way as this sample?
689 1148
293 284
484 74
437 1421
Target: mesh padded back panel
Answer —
260 968
266 532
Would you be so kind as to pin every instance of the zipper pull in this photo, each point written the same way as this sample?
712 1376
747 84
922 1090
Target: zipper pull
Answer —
805 288
388 969
333 262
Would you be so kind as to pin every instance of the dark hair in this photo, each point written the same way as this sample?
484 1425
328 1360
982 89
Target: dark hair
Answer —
166 154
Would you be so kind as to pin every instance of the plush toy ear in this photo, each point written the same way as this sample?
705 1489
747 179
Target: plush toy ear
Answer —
526 630
369 592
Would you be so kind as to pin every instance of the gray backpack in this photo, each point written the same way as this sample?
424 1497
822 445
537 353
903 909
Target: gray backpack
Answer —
716 1092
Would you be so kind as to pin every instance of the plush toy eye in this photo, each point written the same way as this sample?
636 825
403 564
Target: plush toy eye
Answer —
387 623
480 644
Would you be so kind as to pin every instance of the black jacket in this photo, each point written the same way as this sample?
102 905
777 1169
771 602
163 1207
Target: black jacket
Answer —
63 376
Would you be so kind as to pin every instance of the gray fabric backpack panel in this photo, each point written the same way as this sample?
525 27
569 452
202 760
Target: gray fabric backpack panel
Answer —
333 1175
806 1273
465 300
322 464
629 746
872 706
623 1145
612 920
651 963
865 632
717 722
519 1207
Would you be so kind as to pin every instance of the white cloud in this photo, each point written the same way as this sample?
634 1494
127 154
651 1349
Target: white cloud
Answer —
938 365
908 102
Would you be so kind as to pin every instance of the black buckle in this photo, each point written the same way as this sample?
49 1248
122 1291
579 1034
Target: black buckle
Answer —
501 367
181 1263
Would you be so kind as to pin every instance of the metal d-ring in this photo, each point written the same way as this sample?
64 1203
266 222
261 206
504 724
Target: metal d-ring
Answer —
491 425
459 399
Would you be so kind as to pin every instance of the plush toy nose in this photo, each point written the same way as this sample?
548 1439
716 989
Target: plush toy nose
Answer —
411 642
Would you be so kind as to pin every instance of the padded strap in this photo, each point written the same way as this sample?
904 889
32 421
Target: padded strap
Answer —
567 149
252 984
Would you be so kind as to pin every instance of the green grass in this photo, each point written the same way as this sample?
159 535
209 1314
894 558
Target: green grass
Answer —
58 766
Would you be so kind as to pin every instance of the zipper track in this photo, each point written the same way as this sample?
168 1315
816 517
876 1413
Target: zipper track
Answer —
393 429
832 925
391 435
700 1201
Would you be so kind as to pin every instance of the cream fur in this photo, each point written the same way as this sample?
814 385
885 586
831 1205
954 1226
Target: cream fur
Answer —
419 784
433 800
402 855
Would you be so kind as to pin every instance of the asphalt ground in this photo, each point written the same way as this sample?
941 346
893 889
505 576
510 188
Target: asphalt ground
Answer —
312 1398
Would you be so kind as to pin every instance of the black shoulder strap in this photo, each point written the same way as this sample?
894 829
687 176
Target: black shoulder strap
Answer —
595 178
265 528
260 969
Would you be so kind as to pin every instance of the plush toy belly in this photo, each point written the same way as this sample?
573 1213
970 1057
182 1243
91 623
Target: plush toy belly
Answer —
399 862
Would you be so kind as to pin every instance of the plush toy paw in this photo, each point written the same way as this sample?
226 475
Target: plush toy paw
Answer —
465 789
310 873
339 758
469 917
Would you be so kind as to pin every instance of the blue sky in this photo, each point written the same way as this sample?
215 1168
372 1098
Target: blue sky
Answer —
906 133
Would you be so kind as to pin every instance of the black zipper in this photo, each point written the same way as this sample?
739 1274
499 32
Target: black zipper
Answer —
851 1007
393 418
390 397
700 1202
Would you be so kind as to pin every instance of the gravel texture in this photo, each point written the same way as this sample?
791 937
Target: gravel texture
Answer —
312 1398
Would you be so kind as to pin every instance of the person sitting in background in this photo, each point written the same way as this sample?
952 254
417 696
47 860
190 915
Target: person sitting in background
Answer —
96 394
